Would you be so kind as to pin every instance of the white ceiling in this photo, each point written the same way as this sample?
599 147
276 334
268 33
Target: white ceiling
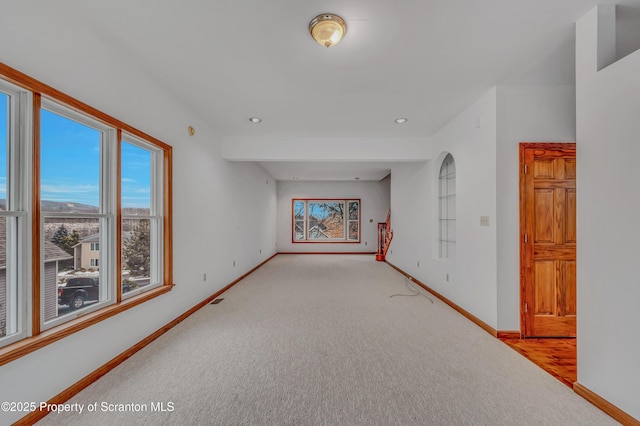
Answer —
426 60
328 171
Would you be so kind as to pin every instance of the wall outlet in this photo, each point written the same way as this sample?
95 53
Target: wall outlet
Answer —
446 277
234 263
204 276
484 220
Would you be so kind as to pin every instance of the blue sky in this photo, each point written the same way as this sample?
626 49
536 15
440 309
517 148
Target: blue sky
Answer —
70 163
136 176
314 208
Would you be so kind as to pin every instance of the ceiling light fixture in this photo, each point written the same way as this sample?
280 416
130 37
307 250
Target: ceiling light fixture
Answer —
327 29
400 120
255 120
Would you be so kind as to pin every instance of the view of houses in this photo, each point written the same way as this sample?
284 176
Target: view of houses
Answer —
71 248
53 256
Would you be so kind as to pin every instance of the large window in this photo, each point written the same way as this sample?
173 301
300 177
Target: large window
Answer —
85 215
447 208
326 220
13 217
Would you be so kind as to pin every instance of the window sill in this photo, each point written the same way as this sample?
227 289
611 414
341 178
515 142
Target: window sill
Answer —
31 344
326 242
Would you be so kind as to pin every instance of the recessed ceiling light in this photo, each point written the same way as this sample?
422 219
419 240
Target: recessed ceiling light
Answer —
400 120
357 178
255 120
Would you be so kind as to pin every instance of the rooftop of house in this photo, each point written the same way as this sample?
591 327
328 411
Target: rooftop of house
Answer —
52 252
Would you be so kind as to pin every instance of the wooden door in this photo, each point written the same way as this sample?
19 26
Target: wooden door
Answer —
548 239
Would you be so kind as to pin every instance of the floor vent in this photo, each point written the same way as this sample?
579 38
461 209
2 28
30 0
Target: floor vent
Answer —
215 302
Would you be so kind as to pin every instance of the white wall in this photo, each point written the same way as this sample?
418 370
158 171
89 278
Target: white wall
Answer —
496 123
525 114
215 202
339 149
375 201
471 139
608 132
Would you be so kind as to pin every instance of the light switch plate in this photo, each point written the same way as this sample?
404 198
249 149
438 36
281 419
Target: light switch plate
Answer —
484 220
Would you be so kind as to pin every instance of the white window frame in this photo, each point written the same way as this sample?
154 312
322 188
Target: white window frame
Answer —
106 215
17 216
345 234
349 220
304 220
446 214
155 216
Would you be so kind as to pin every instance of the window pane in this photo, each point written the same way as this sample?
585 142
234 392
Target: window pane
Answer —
298 220
353 210
4 138
326 220
69 165
4 284
444 227
299 229
451 207
451 230
353 230
298 210
136 254
71 268
136 180
354 223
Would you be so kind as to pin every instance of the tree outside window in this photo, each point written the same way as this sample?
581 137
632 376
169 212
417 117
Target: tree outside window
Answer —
326 220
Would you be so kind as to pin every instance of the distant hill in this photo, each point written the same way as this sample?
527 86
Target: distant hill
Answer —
69 207
66 207
131 211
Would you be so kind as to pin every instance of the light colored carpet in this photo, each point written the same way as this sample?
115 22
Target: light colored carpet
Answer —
316 340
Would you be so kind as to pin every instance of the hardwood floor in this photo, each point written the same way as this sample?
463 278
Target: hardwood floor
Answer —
555 356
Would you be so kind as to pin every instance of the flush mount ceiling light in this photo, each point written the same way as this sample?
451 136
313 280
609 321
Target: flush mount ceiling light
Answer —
327 29
400 120
255 120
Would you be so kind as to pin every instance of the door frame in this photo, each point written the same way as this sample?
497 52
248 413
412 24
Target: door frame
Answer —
523 259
